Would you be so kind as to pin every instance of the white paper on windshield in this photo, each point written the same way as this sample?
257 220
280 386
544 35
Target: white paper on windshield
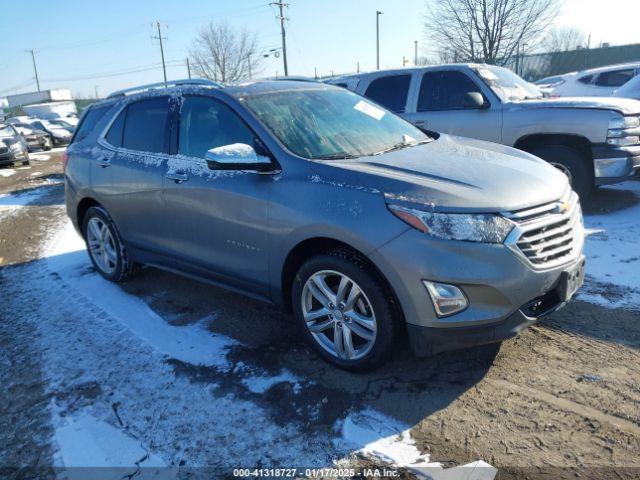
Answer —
369 109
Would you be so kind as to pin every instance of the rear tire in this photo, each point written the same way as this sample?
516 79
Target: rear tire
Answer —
106 250
371 306
571 162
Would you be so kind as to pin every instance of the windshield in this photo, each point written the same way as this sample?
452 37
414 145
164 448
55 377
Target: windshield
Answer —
6 131
507 85
331 123
630 89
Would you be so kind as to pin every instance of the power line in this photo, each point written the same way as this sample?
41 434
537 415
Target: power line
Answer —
282 18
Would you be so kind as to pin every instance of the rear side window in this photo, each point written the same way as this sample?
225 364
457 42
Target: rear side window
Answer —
617 78
206 123
89 121
145 125
444 90
390 92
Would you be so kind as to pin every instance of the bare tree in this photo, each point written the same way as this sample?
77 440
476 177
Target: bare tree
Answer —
563 39
490 31
224 54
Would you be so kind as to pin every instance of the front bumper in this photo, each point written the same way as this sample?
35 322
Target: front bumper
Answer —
497 283
12 158
613 165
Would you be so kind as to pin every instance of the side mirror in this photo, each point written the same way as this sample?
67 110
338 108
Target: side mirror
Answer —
237 156
475 100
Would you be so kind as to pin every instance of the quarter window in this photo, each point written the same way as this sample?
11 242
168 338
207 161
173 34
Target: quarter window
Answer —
586 79
145 125
89 121
390 92
444 90
114 135
206 123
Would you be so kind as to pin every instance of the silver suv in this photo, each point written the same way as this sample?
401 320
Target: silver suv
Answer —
594 141
309 196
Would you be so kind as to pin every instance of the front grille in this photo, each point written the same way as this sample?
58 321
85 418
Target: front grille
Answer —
548 235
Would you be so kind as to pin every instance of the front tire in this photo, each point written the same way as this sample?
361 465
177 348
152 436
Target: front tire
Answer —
344 310
106 250
572 163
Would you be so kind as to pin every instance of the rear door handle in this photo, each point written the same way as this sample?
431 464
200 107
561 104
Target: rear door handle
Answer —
104 162
178 177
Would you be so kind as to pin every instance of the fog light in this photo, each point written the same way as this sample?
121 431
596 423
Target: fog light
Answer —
447 299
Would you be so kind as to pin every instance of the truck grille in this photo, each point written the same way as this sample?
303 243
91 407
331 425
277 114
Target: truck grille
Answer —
550 234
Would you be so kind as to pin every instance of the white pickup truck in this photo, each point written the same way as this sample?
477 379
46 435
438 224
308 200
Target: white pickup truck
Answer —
594 141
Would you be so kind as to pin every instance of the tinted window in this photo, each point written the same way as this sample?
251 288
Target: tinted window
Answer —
585 79
114 135
444 90
343 85
206 123
390 92
145 125
89 120
616 78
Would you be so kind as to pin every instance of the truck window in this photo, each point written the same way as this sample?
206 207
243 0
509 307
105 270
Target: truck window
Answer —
390 92
616 78
444 90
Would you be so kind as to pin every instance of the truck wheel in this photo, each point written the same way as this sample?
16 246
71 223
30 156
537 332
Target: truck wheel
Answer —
106 250
344 310
572 163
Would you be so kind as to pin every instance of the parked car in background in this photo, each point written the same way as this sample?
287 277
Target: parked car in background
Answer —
63 123
631 89
35 139
309 196
594 141
13 148
596 82
59 135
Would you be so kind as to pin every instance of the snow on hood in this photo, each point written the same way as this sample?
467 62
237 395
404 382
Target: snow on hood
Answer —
626 106
457 174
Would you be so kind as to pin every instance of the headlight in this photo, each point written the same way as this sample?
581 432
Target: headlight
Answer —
624 141
624 131
624 122
486 228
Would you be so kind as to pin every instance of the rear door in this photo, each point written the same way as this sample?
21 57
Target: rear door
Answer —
439 106
216 220
127 169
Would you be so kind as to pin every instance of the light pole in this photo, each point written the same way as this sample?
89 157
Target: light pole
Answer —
415 52
378 13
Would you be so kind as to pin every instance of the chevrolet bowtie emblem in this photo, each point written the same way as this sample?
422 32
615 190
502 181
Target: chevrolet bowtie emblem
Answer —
562 206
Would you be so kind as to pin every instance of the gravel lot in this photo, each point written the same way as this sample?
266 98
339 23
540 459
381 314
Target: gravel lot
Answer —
165 371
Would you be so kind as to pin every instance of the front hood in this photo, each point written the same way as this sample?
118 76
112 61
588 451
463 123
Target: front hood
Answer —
455 174
626 106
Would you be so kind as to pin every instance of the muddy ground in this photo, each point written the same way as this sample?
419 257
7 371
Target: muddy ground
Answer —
562 400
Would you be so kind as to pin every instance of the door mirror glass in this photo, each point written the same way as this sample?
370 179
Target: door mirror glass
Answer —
474 100
237 156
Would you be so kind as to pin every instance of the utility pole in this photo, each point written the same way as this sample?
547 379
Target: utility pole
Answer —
282 18
188 68
35 69
160 38
95 88
415 52
378 13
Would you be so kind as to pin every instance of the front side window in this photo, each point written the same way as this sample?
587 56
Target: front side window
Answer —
390 92
145 125
616 78
444 90
331 123
207 123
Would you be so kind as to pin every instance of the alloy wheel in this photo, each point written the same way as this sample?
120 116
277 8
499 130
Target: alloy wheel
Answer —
101 245
339 315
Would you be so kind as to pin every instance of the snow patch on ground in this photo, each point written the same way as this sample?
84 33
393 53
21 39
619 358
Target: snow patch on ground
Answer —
85 441
612 248
193 344
11 202
7 172
378 436
40 157
261 383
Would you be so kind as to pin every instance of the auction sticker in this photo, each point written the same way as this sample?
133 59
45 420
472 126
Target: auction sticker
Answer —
369 109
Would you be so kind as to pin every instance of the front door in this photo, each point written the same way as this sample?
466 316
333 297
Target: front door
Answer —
440 107
216 221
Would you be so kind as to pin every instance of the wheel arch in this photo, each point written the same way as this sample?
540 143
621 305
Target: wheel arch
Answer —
530 142
83 205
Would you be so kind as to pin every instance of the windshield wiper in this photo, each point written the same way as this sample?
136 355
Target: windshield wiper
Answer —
334 156
400 146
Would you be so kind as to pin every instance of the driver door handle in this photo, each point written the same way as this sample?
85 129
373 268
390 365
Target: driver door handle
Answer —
104 162
178 176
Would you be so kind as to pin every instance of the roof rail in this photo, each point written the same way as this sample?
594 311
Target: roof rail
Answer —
172 83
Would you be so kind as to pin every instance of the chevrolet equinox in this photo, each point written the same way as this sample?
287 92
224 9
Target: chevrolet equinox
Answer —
314 198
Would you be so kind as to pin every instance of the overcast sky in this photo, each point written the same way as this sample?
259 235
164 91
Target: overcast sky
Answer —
86 45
